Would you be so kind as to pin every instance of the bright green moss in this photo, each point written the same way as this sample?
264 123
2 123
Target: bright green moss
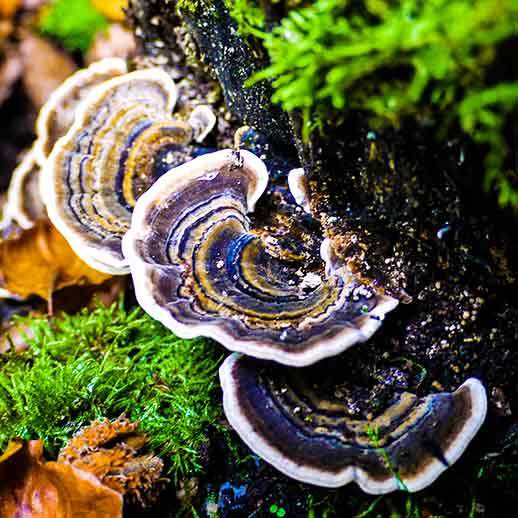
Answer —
413 51
72 22
394 59
483 115
106 363
249 17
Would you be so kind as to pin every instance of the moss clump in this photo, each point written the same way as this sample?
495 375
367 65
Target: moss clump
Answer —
72 22
250 18
106 363
428 59
484 114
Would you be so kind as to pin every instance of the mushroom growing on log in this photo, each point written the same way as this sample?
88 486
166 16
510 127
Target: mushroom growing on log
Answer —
123 137
285 416
200 269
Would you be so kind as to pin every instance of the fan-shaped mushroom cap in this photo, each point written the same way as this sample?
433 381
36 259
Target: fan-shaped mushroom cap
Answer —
122 139
202 120
57 115
284 417
199 268
24 205
297 183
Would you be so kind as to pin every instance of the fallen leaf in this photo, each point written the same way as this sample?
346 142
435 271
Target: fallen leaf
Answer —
110 450
33 488
112 9
30 5
11 449
10 70
39 261
9 7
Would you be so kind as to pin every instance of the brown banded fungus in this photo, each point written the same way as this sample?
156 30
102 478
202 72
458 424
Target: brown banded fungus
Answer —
288 418
201 269
24 205
58 113
123 137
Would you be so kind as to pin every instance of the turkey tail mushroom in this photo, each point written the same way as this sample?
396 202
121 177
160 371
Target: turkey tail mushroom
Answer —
307 435
122 139
199 268
24 205
57 115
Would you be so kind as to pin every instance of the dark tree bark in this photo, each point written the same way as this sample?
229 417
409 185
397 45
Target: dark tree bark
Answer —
219 46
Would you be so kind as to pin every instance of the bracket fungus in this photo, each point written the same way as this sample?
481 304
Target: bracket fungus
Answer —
199 268
286 417
24 205
123 137
57 114
202 120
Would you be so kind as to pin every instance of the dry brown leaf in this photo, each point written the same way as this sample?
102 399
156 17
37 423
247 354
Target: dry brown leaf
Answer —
32 488
110 450
39 261
115 42
31 5
12 448
10 70
45 67
9 7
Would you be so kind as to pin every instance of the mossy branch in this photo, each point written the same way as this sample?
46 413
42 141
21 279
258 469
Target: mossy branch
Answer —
429 60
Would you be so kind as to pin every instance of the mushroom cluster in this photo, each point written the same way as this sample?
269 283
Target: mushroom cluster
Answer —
24 205
102 138
124 136
127 190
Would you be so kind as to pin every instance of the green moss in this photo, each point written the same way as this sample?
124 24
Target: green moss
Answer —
106 363
191 5
483 115
249 16
72 22
394 59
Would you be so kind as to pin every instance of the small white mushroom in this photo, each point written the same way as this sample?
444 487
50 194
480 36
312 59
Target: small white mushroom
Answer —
202 120
297 182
